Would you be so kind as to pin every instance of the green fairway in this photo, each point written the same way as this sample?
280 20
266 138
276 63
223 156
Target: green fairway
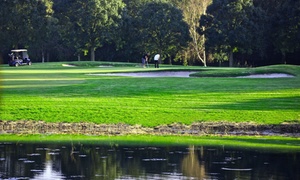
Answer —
55 93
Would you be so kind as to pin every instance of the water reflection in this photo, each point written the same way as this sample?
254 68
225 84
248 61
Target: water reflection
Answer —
83 161
193 164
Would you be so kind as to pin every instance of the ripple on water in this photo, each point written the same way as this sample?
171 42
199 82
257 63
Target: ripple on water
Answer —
154 159
236 169
34 154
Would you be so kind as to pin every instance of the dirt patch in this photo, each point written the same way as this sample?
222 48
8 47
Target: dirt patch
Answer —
197 129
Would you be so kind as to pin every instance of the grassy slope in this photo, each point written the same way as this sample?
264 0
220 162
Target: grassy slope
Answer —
54 93
284 144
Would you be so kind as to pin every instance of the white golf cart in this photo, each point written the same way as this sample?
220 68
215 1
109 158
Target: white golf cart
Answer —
19 57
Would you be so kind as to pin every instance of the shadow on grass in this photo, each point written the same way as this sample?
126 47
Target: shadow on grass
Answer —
279 103
262 141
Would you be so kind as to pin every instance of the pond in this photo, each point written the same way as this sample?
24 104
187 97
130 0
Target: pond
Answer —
96 161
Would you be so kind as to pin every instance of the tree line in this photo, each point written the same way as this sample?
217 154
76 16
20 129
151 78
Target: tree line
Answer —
188 32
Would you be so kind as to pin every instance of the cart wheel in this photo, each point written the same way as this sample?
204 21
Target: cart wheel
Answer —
29 63
17 64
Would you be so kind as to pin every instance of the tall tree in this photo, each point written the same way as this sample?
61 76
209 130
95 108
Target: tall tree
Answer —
227 27
43 28
5 26
15 22
69 31
128 42
286 26
162 29
192 10
95 19
25 23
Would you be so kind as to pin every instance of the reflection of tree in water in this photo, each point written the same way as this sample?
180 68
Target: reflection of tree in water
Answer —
107 162
90 162
77 161
191 167
20 159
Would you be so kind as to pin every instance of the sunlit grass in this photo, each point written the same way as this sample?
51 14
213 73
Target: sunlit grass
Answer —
270 143
53 93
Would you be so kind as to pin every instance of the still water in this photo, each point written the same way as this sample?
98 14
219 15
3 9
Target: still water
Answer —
86 161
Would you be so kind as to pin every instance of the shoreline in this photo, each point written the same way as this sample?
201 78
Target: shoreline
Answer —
195 129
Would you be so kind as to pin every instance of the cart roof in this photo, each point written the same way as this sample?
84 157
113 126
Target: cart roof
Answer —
19 50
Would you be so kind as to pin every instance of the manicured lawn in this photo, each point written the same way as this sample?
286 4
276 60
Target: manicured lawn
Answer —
54 93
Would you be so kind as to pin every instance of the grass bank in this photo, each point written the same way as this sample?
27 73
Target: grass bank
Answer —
263 143
234 72
51 92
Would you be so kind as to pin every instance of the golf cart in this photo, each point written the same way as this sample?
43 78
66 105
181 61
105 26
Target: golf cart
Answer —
19 57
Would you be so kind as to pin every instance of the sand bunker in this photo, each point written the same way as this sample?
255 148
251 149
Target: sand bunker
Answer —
151 74
271 75
187 74
69 65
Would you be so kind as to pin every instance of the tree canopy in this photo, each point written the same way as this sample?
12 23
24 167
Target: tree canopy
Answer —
93 21
250 29
162 29
233 32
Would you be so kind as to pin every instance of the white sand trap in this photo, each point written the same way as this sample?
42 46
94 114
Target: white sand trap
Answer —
69 65
187 74
271 75
105 66
151 74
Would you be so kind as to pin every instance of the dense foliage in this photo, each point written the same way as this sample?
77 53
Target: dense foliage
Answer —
241 32
253 32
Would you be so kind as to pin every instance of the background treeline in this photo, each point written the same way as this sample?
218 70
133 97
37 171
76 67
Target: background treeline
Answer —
189 32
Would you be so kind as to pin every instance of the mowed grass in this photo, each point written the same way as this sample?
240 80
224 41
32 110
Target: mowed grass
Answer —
54 93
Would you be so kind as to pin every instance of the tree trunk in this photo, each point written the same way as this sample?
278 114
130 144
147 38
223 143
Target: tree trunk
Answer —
231 59
1 58
283 57
204 58
78 57
48 57
92 53
43 57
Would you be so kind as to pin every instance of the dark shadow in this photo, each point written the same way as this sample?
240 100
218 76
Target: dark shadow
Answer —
279 103
262 141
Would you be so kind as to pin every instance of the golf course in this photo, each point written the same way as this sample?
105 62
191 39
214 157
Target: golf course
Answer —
90 101
56 93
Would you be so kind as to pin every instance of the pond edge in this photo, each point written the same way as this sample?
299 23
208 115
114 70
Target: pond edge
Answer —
196 129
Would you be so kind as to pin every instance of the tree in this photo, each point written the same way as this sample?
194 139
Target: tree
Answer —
286 26
44 30
15 22
69 32
94 20
162 29
127 41
228 28
25 23
5 26
192 10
